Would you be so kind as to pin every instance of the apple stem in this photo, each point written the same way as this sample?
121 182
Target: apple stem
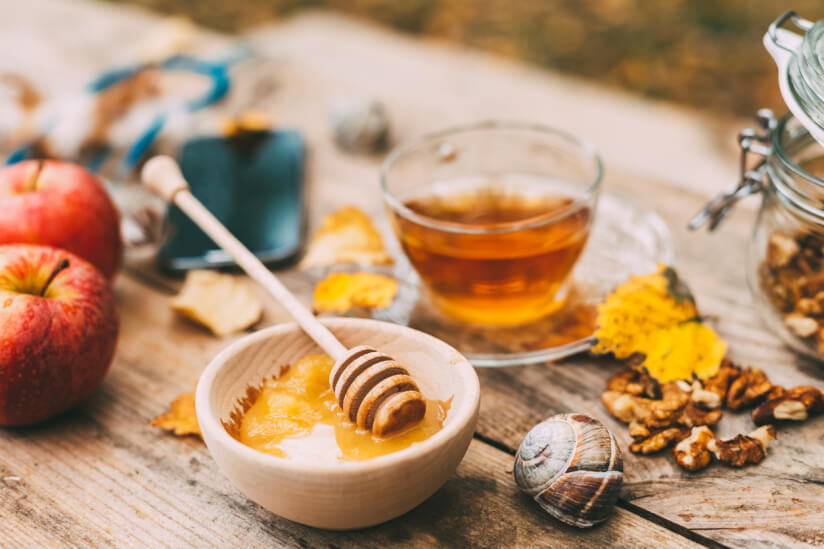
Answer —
64 264
31 184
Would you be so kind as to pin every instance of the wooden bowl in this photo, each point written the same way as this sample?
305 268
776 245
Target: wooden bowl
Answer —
348 494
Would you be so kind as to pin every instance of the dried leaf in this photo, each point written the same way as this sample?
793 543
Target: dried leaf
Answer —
346 236
654 320
223 303
181 418
344 291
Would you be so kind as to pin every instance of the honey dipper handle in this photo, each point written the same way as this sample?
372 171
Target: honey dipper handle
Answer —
162 174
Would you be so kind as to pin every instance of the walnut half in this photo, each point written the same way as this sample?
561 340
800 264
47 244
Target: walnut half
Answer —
719 384
795 404
692 453
653 413
748 389
743 449
648 441
634 383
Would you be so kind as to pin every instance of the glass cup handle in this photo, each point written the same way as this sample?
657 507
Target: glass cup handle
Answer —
751 181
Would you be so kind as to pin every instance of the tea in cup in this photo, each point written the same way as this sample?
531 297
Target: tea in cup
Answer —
493 217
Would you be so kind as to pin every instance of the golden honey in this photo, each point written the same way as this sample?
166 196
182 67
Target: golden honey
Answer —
296 416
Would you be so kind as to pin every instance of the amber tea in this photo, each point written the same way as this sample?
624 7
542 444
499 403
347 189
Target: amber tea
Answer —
496 252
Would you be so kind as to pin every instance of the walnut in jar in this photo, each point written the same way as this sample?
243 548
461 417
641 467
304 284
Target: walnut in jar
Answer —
792 276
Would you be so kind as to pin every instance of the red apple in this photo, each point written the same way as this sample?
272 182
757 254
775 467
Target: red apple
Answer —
58 329
60 204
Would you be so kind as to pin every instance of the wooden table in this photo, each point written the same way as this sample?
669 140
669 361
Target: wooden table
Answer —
101 476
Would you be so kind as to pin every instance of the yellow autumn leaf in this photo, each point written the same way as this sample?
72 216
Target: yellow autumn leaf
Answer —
346 236
181 418
653 318
341 292
682 350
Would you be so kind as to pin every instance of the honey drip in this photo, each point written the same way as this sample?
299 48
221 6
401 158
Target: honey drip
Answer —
300 404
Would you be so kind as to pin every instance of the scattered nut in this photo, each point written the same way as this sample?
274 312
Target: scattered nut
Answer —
795 404
703 398
691 453
664 412
776 392
621 405
721 381
695 415
656 440
635 383
743 449
659 413
764 434
684 413
655 424
748 389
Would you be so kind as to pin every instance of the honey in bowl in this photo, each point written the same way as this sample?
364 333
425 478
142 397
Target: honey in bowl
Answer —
494 251
296 416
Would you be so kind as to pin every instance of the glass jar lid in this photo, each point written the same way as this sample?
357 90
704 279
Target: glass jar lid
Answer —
800 61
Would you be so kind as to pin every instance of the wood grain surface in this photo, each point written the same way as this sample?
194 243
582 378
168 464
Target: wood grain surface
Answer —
100 476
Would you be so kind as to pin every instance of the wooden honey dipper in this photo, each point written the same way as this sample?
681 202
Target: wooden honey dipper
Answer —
374 391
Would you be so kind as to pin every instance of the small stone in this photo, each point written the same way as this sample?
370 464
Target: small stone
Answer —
360 125
802 326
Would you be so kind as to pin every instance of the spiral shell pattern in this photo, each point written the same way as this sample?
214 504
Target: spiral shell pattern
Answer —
571 465
375 392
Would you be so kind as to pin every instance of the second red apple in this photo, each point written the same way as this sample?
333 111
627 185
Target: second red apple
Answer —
58 330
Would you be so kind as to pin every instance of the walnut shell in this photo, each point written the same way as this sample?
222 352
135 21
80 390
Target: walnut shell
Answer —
571 465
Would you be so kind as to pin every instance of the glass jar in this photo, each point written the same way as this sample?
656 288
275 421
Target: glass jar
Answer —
786 271
786 255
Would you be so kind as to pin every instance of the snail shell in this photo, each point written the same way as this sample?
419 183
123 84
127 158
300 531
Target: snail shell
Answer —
571 465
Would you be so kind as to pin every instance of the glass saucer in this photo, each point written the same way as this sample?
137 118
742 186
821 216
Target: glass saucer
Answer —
625 240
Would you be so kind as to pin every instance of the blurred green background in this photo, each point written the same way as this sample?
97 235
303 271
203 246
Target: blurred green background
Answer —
705 53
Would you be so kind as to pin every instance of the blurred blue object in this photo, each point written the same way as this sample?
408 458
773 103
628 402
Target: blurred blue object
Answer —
217 71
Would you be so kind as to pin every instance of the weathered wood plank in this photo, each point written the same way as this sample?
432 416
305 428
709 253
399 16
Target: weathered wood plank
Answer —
100 475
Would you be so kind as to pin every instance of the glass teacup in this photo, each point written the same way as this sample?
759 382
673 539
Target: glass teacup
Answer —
493 217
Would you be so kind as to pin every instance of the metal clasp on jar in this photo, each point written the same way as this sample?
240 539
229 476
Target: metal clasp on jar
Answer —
800 23
751 181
